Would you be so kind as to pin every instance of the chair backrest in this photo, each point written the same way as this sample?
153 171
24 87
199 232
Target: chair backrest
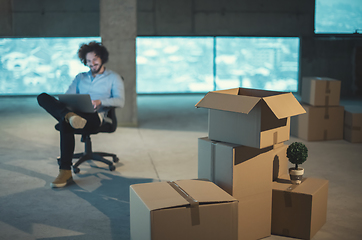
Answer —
107 126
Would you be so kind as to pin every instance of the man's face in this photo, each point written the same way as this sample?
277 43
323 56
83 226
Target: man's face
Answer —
93 62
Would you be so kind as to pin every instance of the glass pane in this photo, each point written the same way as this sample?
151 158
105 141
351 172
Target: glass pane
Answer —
30 66
174 64
338 16
259 63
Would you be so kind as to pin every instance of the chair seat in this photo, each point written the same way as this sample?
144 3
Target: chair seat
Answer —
106 127
109 125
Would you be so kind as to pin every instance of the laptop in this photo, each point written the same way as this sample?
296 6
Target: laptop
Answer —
77 102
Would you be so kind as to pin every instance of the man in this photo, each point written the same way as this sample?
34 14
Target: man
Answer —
105 88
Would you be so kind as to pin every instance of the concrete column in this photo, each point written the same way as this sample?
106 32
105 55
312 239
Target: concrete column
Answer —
118 29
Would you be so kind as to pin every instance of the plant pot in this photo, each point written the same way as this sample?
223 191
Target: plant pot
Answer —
296 175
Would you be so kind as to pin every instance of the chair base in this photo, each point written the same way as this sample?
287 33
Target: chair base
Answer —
88 154
96 156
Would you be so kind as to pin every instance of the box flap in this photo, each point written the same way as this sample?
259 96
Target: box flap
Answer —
308 186
284 105
161 195
205 191
158 195
243 100
228 102
232 91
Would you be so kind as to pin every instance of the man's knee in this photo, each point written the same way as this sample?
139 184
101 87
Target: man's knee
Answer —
42 97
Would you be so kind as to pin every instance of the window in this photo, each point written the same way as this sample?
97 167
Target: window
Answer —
174 64
201 64
338 16
259 63
30 66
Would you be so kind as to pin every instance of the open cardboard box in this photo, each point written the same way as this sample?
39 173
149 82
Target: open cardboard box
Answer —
249 117
179 210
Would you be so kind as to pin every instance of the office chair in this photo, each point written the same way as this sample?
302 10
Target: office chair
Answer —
88 154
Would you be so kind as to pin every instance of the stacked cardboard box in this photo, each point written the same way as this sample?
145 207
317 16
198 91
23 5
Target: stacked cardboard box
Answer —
299 211
179 210
245 150
324 118
243 155
245 173
353 124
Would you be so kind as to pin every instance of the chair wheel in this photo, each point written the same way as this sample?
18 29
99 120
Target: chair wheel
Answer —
115 159
76 170
112 167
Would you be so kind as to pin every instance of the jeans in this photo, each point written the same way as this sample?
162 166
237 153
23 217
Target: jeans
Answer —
67 144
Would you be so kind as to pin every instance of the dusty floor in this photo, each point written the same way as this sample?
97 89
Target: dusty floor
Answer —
162 147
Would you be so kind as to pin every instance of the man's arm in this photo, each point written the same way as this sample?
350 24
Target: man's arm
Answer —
72 89
117 98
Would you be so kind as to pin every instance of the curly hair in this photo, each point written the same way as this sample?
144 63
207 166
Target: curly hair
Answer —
97 48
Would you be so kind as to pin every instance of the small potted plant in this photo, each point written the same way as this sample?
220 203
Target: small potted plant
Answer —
297 154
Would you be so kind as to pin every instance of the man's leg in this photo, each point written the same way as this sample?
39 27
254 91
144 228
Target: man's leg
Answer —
55 108
59 111
67 144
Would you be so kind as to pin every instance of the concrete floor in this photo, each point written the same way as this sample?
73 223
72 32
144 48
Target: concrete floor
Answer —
163 147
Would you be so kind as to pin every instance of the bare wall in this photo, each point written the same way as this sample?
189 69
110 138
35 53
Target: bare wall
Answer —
51 18
226 17
319 57
331 57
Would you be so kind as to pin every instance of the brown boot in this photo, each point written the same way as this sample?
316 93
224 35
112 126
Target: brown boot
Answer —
64 177
77 122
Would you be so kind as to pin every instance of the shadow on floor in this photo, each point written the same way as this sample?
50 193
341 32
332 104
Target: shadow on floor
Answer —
72 212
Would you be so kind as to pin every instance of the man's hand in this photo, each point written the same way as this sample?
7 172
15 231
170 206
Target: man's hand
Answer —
96 103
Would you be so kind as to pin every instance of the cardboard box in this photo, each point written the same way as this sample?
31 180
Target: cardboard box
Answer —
250 117
246 173
280 160
210 156
299 210
187 209
319 123
321 91
353 124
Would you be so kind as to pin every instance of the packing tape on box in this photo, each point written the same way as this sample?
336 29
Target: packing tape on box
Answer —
194 204
327 101
288 193
328 89
275 138
326 113
294 186
213 153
